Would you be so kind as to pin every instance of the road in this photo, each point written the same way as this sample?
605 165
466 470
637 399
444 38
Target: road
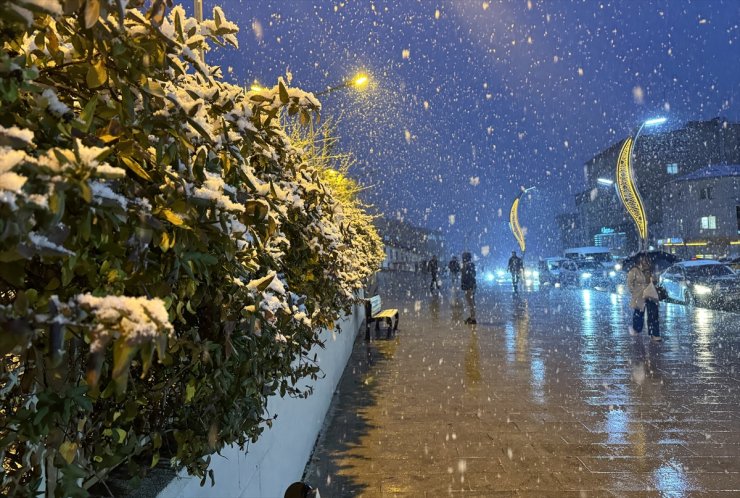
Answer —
548 395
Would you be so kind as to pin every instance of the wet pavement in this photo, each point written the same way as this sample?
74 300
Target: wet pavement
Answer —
547 396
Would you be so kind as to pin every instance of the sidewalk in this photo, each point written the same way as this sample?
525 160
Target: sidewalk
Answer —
547 396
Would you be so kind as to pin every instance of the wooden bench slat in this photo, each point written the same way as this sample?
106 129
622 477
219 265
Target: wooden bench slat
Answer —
389 313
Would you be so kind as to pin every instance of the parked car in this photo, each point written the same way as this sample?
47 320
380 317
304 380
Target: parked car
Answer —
702 282
549 270
585 274
735 264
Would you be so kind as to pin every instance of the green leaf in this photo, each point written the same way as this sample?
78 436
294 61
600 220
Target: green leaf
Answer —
122 356
136 168
173 217
86 116
121 434
97 74
92 13
190 391
85 191
68 450
284 97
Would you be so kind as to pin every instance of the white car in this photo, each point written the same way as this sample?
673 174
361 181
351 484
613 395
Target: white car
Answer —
700 282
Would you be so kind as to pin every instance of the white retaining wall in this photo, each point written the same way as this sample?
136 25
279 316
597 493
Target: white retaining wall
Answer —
281 453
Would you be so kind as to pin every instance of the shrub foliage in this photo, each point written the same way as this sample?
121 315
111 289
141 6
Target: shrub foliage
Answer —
168 251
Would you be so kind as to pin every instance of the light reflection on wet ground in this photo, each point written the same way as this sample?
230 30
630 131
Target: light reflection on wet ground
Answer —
548 394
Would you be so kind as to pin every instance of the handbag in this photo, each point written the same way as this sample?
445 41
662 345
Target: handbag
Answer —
651 292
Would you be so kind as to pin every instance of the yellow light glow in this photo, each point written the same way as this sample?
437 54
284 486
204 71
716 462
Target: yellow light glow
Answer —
516 229
361 80
696 243
735 243
256 87
628 190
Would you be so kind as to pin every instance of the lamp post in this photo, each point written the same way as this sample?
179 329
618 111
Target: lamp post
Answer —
516 229
629 194
198 11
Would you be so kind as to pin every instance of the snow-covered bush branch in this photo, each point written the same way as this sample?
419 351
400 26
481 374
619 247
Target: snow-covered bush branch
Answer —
167 248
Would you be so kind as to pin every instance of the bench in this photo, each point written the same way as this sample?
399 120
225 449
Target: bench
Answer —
373 313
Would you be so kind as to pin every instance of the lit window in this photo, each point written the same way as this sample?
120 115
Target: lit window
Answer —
709 222
671 168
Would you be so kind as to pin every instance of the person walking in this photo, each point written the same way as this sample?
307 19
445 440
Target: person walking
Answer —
468 285
515 268
641 284
454 267
434 269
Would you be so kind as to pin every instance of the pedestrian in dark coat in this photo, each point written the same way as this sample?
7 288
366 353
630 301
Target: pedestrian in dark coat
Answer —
434 269
468 284
454 267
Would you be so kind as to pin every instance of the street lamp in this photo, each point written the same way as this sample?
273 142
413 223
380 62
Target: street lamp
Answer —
516 229
627 186
360 81
198 10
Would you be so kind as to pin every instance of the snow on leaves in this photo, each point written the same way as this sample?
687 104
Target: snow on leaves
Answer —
149 206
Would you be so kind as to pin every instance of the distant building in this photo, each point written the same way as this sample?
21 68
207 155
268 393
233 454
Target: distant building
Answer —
701 213
408 246
571 234
658 159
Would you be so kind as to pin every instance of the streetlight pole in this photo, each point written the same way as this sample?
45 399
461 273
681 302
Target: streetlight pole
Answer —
629 194
198 10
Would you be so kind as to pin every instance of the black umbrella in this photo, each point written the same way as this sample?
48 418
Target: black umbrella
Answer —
660 260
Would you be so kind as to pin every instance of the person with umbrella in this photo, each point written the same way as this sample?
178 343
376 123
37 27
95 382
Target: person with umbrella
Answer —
641 284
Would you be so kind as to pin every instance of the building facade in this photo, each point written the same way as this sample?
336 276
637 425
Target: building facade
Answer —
407 247
701 213
659 158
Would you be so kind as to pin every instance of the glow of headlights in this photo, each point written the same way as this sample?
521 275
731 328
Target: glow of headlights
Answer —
527 273
586 275
536 274
500 273
489 276
612 274
618 267
702 289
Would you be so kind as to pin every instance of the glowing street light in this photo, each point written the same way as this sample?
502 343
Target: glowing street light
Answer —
360 81
627 186
605 181
654 121
514 225
256 87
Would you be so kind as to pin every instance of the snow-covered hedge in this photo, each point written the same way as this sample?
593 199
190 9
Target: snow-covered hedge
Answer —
167 251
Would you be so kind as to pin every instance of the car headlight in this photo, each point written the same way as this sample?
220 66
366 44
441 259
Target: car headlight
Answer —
702 289
618 267
612 274
489 276
500 273
536 274
586 275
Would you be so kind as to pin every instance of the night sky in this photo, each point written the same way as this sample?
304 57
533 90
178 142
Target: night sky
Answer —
473 99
